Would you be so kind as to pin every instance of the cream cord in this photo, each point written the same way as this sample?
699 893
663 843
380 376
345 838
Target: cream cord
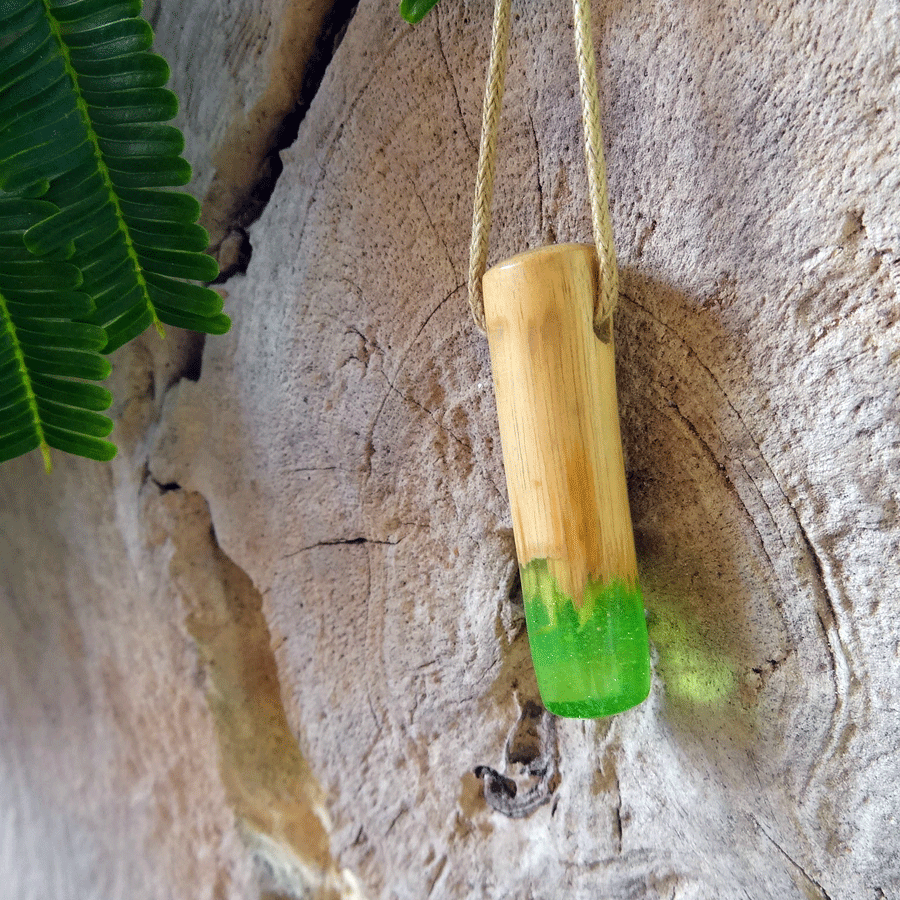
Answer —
593 152
487 158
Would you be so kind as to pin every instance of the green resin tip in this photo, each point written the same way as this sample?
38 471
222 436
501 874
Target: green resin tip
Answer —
593 661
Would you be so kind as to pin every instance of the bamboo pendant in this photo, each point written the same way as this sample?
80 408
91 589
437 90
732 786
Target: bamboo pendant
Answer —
559 428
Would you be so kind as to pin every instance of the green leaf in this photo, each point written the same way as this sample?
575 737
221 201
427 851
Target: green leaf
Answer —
35 81
149 171
61 333
113 304
11 8
80 444
81 420
80 185
134 105
84 14
126 327
38 334
119 73
21 419
40 305
415 10
17 414
98 231
210 325
22 49
138 139
18 15
42 131
34 275
190 298
45 165
115 39
13 445
57 361
107 250
38 189
196 266
17 107
14 392
73 393
164 206
15 218
10 361
172 236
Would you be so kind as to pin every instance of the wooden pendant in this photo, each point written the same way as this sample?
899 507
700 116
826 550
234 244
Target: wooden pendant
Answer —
555 387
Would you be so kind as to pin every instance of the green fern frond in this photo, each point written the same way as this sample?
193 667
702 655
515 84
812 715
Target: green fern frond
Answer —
43 344
82 113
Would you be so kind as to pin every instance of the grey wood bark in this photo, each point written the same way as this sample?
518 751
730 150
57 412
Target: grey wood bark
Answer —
283 624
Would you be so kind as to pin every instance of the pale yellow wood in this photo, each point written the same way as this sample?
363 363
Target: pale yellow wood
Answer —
555 386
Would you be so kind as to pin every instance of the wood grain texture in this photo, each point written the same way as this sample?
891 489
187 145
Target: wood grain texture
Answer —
555 387
344 438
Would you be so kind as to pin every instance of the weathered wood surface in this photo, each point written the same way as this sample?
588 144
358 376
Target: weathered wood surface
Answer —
315 536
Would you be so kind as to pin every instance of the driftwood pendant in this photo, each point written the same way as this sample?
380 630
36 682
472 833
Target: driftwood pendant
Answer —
555 386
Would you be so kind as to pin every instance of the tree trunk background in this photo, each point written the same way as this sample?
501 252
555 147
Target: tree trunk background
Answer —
261 653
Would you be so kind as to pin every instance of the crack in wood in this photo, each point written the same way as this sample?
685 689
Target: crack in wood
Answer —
340 543
404 809
437 232
432 414
452 80
617 811
441 865
250 206
548 236
812 881
370 448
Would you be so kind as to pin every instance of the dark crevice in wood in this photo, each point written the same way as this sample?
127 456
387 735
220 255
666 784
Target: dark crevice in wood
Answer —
167 487
514 593
496 785
532 752
334 27
193 359
240 257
